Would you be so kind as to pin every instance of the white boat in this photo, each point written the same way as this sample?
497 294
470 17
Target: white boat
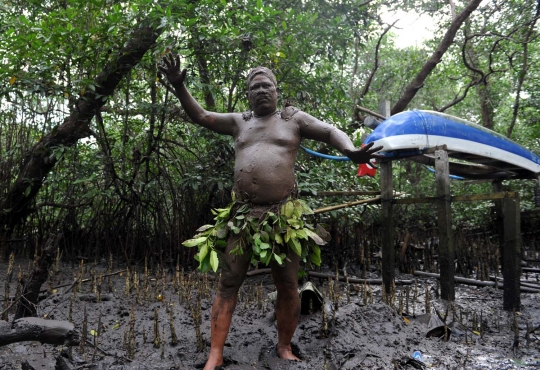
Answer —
412 133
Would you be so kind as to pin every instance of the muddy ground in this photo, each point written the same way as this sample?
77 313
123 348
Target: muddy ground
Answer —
364 333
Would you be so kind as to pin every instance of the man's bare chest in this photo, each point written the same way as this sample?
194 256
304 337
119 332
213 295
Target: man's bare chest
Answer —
268 131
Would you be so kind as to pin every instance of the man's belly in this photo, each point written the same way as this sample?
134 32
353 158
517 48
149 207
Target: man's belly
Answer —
264 179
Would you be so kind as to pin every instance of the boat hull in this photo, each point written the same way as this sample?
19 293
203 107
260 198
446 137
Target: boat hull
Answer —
412 133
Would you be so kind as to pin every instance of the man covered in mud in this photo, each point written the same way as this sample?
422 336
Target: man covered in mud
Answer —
266 142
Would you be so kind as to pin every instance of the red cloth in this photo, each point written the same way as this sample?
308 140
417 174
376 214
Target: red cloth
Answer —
364 169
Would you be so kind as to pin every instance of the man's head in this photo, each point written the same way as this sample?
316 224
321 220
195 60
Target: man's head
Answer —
261 71
262 91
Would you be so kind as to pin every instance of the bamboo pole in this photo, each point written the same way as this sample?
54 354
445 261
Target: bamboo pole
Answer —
348 204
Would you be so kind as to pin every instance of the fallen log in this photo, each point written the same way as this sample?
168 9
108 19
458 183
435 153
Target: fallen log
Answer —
41 330
326 276
530 269
355 280
521 282
474 282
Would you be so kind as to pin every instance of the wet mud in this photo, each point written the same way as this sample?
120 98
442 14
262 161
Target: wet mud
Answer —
162 322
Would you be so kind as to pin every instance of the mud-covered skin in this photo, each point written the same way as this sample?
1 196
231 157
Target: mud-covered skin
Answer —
266 142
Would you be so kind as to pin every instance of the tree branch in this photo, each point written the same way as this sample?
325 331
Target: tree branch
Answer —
38 162
448 39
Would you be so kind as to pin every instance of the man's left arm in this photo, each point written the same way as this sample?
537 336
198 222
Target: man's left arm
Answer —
312 128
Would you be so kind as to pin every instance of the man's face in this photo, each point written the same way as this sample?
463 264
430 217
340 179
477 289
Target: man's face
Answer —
262 94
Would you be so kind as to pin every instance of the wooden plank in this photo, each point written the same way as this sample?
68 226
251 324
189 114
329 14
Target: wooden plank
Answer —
446 240
511 262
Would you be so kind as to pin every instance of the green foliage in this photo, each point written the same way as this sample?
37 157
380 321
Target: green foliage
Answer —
267 238
146 178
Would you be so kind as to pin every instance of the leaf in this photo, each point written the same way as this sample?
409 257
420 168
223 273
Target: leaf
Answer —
288 209
294 223
204 228
284 25
305 208
298 208
27 190
93 333
289 234
294 244
278 259
259 4
214 261
315 259
265 246
204 265
222 232
194 242
203 252
12 80
302 234
316 238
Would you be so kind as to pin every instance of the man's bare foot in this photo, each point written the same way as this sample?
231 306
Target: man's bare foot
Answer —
285 353
213 363
212 367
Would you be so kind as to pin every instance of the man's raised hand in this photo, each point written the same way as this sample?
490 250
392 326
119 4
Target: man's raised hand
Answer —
170 67
364 154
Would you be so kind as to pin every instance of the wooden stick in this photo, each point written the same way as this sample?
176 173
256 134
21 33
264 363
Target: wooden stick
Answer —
82 281
377 199
370 112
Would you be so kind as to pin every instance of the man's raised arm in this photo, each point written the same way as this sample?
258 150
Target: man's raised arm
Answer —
312 128
222 123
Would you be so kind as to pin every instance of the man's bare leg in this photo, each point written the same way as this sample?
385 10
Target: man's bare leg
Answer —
287 304
225 302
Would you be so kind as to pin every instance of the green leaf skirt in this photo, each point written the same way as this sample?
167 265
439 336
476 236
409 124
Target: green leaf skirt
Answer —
269 234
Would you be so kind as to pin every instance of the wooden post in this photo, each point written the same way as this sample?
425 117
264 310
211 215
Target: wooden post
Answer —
497 188
511 248
387 216
508 222
446 240
387 229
